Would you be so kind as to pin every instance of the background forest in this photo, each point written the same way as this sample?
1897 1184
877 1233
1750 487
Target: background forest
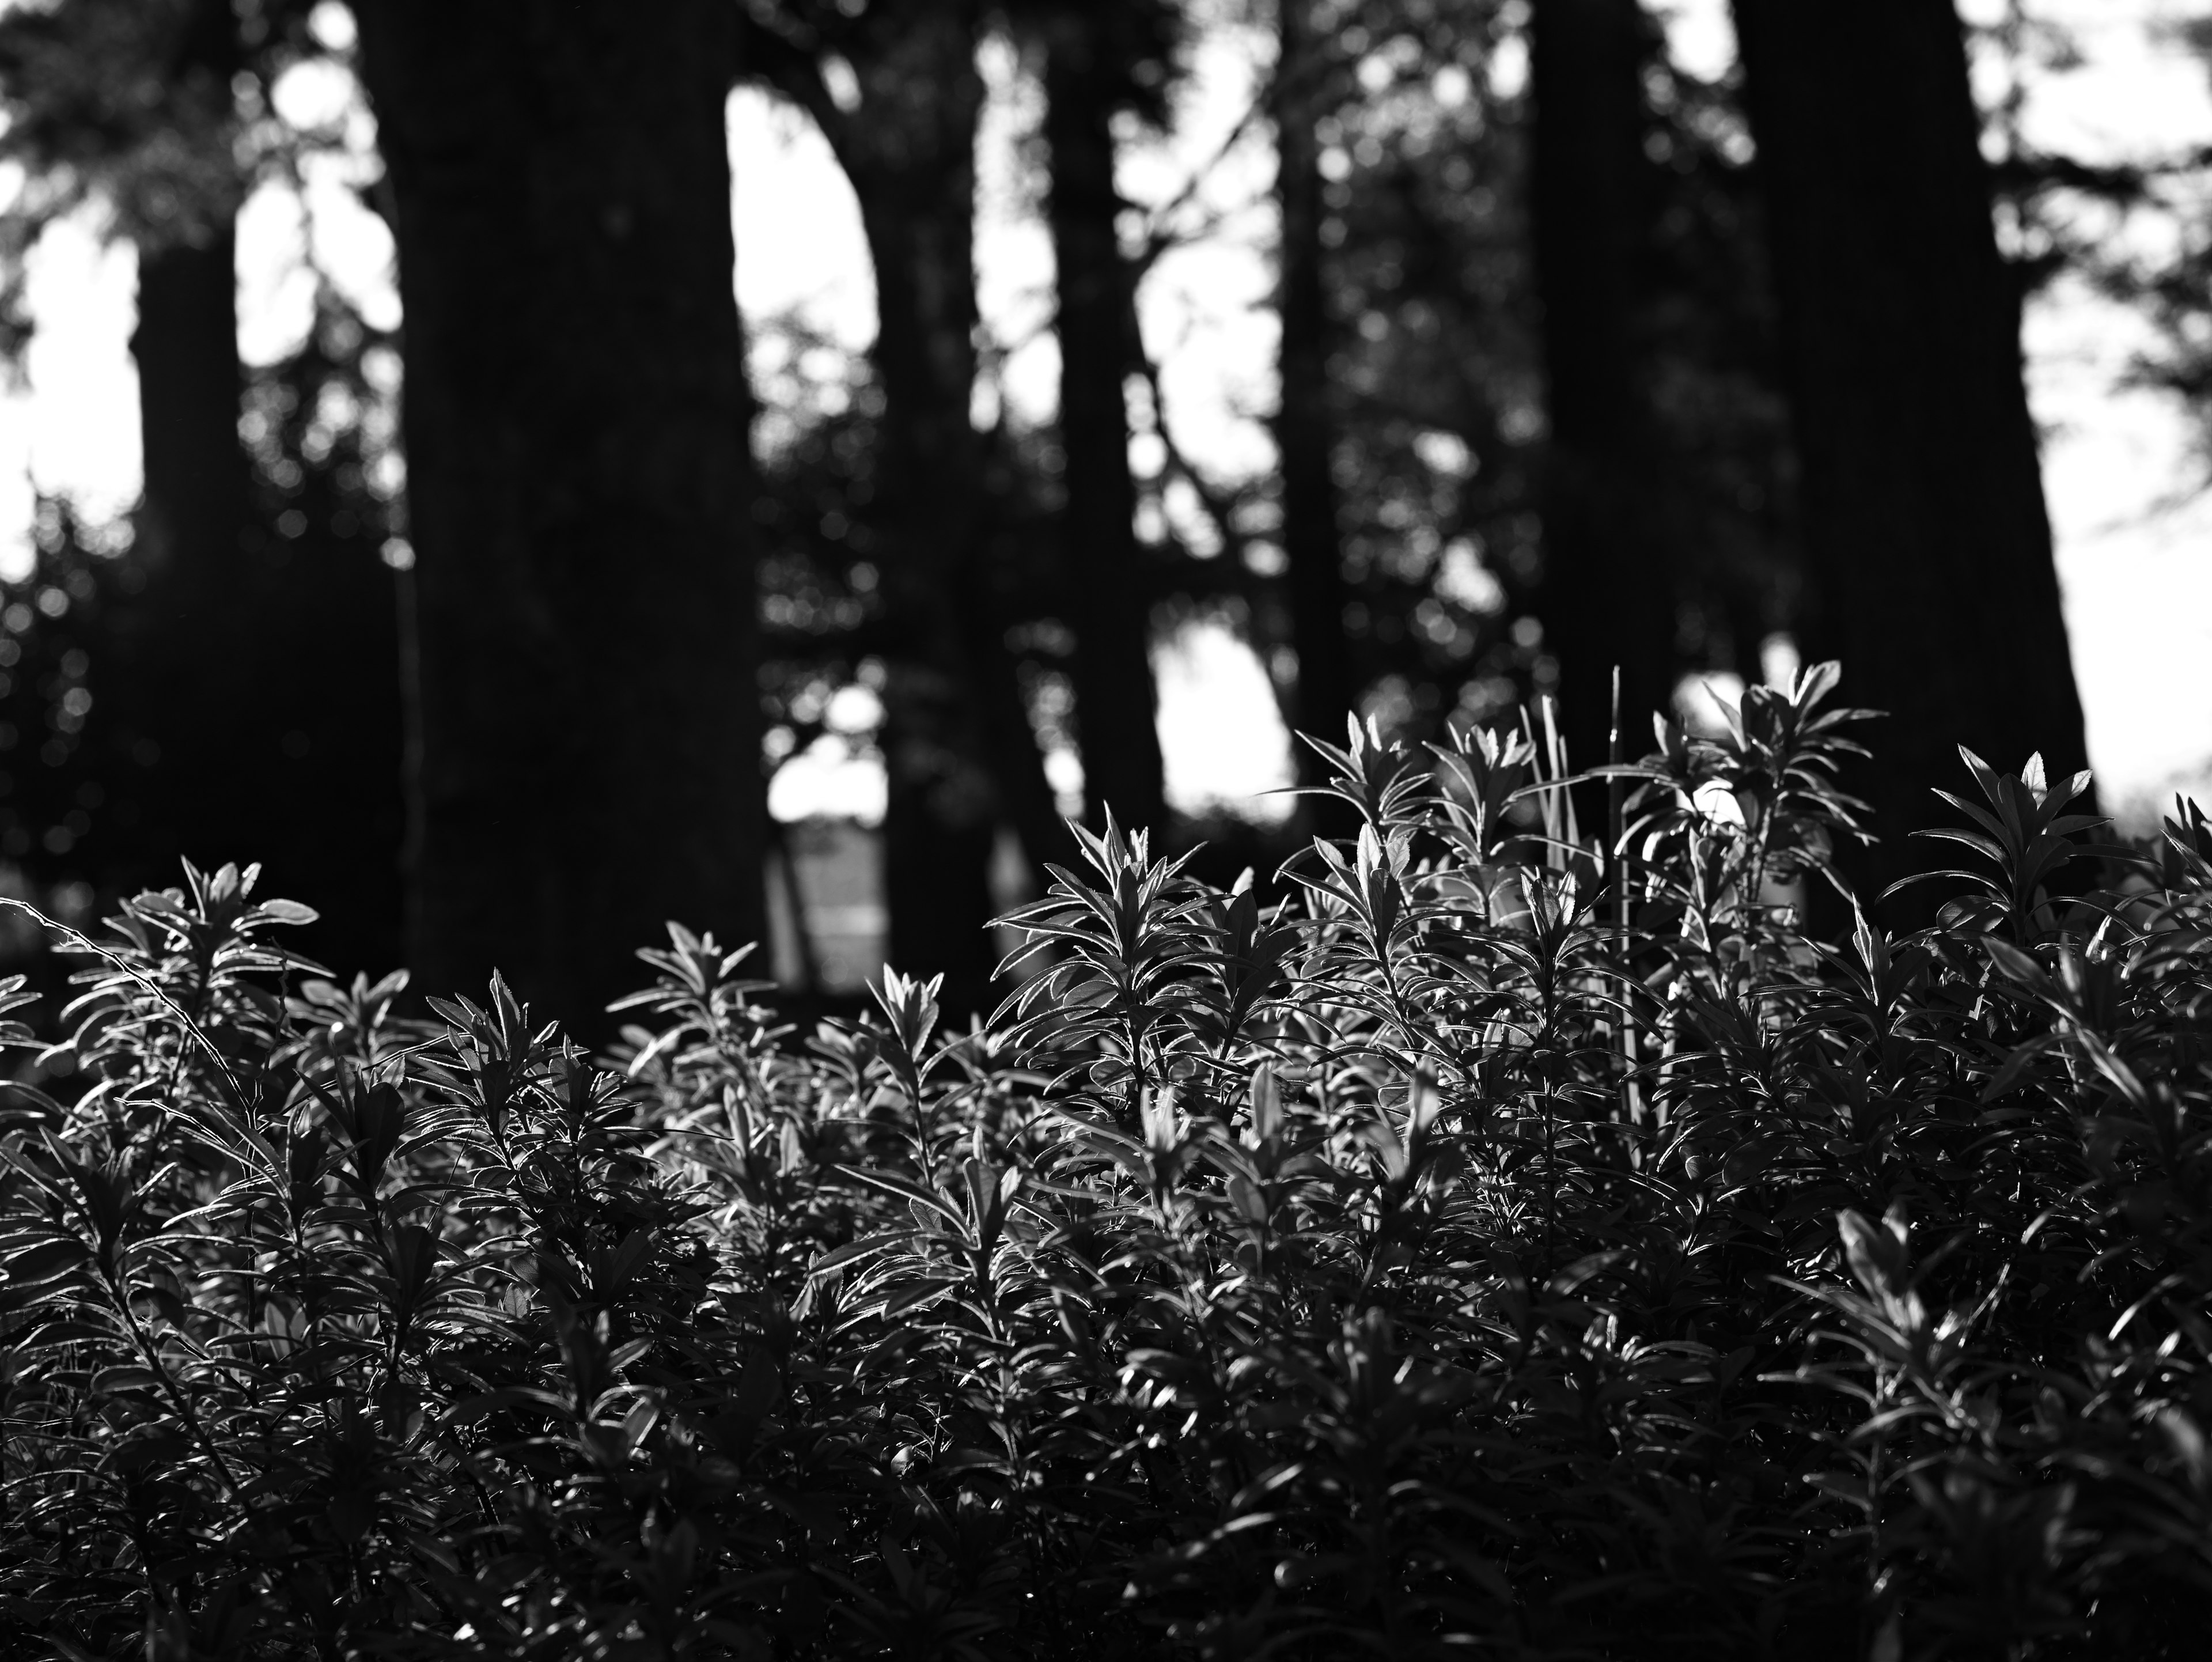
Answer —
472 625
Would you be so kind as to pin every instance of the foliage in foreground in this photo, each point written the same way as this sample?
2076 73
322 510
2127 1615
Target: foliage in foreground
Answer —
1509 1248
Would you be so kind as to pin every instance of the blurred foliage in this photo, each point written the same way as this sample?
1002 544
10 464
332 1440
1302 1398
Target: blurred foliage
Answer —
90 737
157 114
68 770
1524 1241
2141 231
1440 391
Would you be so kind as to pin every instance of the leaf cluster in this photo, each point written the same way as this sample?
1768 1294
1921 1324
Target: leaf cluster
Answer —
1518 1241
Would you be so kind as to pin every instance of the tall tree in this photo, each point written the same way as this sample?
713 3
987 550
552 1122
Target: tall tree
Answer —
245 657
896 92
911 160
1305 421
1928 545
192 517
1609 585
157 157
1091 53
588 722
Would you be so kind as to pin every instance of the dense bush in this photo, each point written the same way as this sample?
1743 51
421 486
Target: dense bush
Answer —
1507 1248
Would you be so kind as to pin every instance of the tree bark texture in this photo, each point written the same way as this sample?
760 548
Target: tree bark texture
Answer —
1609 585
1931 573
1116 700
589 718
1305 422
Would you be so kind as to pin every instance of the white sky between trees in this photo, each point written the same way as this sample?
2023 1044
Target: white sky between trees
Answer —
2135 543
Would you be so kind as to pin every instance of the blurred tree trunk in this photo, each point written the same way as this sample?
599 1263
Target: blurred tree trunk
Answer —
589 718
911 160
960 756
1609 571
191 524
1929 546
180 692
1305 423
1116 699
190 386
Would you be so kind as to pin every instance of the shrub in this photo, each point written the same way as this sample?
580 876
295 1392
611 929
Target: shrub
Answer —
1523 1244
